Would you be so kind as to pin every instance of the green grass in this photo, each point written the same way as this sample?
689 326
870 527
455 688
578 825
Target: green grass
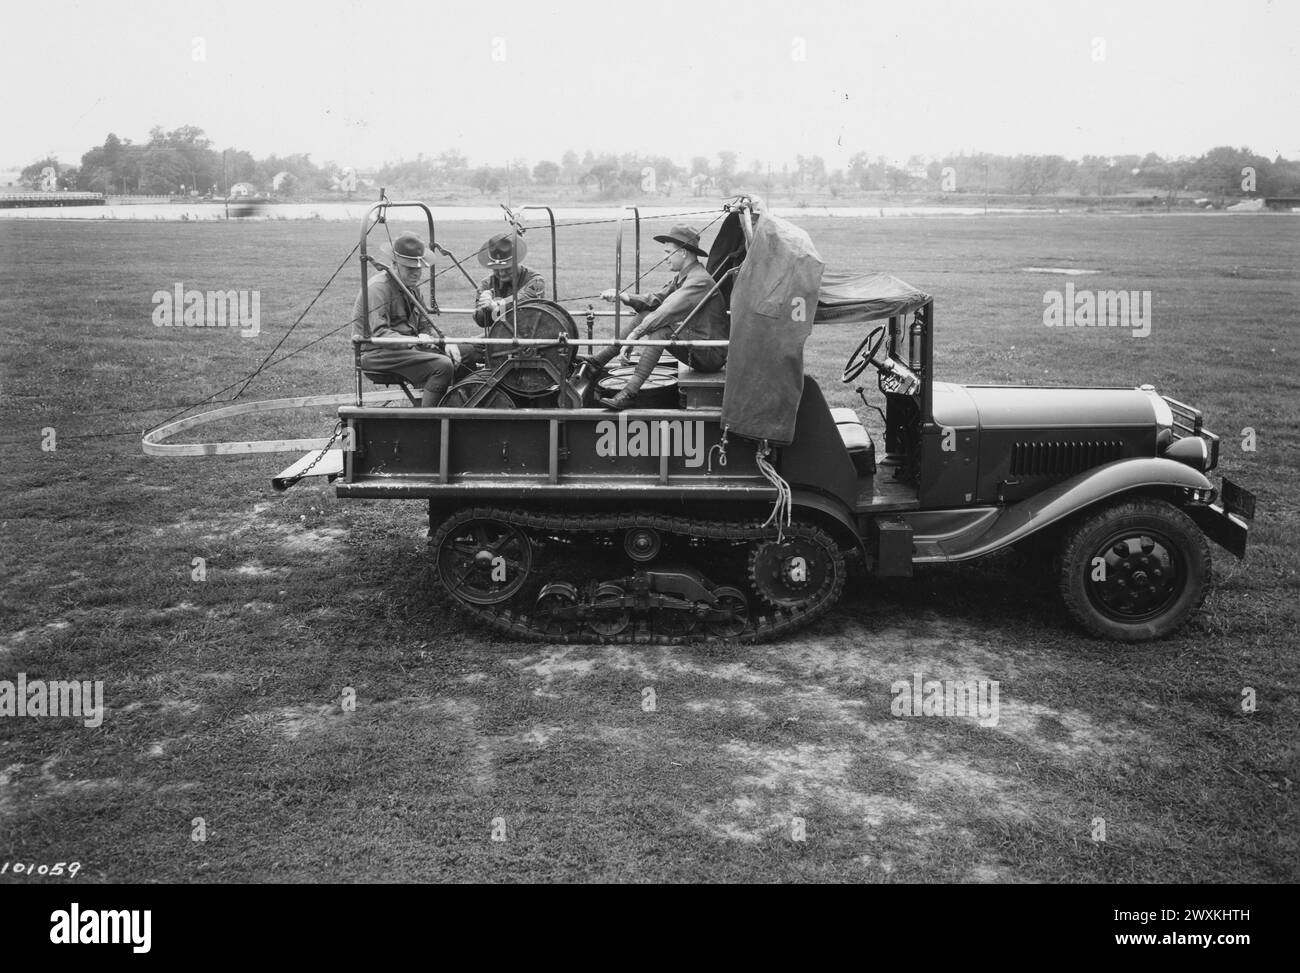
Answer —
224 694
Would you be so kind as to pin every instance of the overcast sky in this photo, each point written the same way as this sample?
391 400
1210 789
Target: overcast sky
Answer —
359 84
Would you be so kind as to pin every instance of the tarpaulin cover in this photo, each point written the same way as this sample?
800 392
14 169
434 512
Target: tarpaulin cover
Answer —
727 251
772 310
849 298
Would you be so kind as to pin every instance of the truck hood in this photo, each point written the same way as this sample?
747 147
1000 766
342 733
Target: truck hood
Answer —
1017 407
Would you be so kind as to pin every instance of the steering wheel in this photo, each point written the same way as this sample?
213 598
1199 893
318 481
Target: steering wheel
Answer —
860 359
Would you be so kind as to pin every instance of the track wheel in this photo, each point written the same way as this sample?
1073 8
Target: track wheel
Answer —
674 622
793 573
483 561
553 613
732 601
614 618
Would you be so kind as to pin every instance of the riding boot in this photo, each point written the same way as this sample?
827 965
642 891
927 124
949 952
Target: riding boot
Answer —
626 397
618 402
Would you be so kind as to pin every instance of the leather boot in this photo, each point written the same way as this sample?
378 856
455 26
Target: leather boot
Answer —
618 402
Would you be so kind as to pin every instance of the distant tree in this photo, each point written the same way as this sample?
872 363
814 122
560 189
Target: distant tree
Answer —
98 180
1035 174
897 178
726 173
547 173
605 175
32 174
450 167
859 173
485 179
1221 170
817 170
700 165
571 166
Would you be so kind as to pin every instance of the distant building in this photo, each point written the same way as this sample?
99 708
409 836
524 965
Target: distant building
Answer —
242 189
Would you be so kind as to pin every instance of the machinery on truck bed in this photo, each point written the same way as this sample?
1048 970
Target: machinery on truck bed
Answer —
734 506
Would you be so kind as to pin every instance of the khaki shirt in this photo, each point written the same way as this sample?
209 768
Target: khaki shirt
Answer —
390 312
669 306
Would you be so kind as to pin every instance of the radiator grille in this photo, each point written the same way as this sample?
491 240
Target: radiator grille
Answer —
1062 458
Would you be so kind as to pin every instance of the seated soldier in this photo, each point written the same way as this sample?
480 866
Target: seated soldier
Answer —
660 313
391 313
509 280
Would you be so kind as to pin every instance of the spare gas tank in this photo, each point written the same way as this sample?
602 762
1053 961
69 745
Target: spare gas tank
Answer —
658 392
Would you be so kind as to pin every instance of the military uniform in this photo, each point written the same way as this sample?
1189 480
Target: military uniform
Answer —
660 314
391 314
527 285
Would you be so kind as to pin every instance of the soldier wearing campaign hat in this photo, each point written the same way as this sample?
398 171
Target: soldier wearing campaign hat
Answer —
391 313
509 281
659 315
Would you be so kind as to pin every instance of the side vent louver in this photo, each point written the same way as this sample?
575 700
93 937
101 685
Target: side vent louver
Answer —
1062 458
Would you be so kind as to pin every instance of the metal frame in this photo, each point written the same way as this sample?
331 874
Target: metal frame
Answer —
382 206
618 267
555 272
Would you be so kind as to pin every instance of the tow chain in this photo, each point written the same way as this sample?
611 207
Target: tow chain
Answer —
338 429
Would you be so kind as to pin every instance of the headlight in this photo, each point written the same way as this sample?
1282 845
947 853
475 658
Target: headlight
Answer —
1192 450
1164 417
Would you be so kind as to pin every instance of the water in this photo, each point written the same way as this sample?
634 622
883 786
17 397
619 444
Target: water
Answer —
353 212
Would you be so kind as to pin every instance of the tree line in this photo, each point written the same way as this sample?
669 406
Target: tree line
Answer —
184 161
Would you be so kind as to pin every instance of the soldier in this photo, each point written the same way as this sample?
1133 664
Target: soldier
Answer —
391 313
510 280
659 314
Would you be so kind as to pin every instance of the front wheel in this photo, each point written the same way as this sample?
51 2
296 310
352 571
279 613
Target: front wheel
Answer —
1134 570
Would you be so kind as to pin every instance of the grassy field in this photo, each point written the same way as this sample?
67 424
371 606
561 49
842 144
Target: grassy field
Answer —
223 695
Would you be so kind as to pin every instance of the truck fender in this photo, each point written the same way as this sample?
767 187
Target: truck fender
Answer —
827 507
1017 521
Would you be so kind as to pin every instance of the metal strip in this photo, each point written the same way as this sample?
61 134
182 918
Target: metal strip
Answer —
555 450
665 441
444 450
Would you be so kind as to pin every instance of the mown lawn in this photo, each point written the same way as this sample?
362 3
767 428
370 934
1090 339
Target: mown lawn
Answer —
225 694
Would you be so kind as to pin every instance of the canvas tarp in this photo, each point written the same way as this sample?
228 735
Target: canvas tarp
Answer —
772 308
848 298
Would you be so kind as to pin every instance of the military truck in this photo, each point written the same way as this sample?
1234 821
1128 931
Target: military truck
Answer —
733 505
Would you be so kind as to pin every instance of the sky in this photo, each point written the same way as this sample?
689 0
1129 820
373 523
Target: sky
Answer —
361 84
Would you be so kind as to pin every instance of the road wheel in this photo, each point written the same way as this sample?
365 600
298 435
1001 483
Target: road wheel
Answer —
482 561
1134 570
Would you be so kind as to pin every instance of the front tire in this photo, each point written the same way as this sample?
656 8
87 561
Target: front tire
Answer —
1134 570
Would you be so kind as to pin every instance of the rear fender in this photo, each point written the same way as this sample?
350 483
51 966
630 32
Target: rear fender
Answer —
831 514
1019 520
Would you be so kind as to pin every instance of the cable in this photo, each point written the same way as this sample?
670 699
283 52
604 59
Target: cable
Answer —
268 362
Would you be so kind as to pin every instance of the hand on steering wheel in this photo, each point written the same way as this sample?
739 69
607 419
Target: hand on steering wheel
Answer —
859 360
